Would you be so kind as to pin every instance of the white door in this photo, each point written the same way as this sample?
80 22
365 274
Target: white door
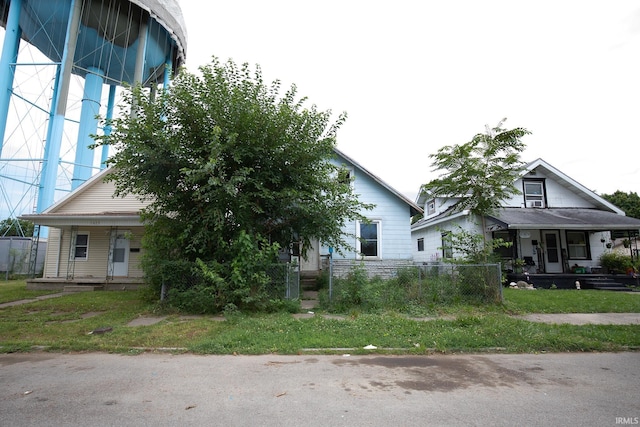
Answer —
312 262
552 252
120 257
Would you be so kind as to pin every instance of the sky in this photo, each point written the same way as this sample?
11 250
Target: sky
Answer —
414 76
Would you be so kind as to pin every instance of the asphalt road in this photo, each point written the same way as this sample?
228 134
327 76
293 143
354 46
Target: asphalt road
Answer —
593 389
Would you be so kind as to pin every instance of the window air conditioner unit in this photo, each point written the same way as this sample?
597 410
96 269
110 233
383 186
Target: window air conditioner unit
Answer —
534 204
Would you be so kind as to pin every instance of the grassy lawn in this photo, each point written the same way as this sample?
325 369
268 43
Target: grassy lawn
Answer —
14 290
64 323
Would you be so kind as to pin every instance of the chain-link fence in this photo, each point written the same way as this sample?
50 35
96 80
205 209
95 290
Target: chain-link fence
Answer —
285 280
416 285
460 282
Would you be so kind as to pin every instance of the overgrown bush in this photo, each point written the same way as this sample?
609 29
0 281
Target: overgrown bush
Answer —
211 287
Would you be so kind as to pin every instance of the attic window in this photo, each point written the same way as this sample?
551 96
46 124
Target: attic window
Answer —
345 175
534 194
431 207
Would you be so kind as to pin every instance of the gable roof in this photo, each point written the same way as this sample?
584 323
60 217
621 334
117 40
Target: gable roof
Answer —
571 184
91 204
605 216
413 207
59 213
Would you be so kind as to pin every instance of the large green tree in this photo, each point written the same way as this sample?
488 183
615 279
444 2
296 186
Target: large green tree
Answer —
628 202
224 159
481 173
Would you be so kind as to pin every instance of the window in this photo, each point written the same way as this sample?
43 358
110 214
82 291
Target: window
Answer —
368 243
505 251
577 245
534 194
421 244
81 248
345 175
447 246
431 207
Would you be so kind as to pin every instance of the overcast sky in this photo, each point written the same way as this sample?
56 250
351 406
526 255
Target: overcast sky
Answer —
414 76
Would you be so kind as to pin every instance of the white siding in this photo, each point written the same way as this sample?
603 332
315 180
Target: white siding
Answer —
433 238
99 197
58 261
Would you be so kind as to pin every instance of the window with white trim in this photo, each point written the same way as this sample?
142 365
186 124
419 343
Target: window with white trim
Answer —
369 239
431 207
534 194
81 247
421 244
577 247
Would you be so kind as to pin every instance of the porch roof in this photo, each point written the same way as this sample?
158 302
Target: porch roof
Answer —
113 219
563 218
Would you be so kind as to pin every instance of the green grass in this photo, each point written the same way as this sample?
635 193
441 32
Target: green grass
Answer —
571 301
14 290
63 324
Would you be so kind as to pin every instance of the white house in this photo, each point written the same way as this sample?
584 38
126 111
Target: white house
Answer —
94 238
556 225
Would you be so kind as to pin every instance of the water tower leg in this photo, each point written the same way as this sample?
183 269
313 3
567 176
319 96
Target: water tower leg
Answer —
9 56
82 169
49 174
107 129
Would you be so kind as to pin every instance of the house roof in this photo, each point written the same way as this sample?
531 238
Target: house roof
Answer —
565 218
52 217
413 207
112 219
559 177
573 185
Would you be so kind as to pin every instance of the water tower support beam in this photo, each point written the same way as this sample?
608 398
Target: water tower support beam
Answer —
46 193
107 128
82 169
9 56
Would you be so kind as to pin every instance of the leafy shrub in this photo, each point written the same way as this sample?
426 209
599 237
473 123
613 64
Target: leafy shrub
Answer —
615 262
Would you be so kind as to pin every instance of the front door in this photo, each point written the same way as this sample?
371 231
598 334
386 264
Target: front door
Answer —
311 263
552 252
120 256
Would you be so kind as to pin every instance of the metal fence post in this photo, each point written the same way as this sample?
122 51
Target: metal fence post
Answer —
330 272
499 267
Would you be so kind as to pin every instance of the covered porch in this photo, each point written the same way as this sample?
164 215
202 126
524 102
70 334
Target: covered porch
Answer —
563 244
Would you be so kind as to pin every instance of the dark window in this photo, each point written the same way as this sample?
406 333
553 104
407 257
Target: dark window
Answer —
503 251
369 239
81 248
421 244
447 246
